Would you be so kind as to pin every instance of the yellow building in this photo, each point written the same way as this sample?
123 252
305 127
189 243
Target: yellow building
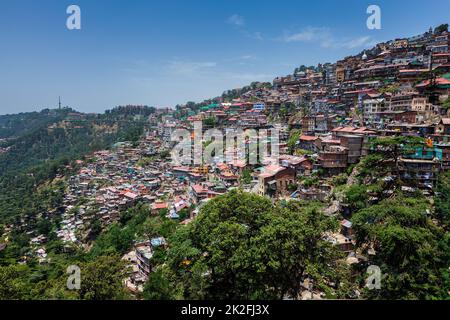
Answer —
340 74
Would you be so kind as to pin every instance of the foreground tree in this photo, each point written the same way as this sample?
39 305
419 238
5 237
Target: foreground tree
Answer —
242 247
410 249
13 286
102 279
387 151
442 199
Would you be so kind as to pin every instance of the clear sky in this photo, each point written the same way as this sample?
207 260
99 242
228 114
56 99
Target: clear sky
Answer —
161 53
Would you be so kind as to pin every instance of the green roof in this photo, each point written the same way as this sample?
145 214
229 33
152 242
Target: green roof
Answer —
209 107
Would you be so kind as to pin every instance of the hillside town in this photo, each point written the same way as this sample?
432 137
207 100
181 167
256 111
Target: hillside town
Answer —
327 116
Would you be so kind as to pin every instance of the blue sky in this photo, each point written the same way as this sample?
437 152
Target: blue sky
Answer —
162 53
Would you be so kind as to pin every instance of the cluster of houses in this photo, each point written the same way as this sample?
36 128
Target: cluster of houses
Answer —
399 81
115 180
398 88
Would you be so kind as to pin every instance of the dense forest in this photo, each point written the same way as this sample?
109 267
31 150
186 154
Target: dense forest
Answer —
17 125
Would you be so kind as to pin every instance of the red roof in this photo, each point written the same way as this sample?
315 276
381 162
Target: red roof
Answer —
364 130
193 174
222 166
159 205
271 170
131 195
439 81
308 138
228 175
198 188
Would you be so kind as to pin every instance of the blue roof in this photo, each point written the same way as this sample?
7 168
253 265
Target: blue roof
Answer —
156 242
173 215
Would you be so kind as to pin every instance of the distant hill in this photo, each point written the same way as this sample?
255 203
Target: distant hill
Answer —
42 144
15 125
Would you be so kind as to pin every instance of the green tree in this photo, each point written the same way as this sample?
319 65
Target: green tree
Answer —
441 28
407 247
44 226
96 228
158 287
356 196
13 286
442 198
102 279
246 177
387 151
210 122
283 112
242 247
293 139
116 240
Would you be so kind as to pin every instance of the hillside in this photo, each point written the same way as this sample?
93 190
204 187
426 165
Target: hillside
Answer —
41 145
361 181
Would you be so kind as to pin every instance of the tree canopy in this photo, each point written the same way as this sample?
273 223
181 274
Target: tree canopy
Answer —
241 246
408 247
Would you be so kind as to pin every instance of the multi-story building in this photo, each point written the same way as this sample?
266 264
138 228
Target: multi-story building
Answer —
275 180
372 109
422 172
422 107
440 44
402 101
354 145
308 124
144 253
334 160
